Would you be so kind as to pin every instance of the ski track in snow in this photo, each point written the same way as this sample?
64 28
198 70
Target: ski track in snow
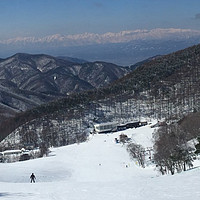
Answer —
96 170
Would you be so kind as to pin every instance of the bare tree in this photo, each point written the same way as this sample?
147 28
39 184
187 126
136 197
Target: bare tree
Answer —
137 152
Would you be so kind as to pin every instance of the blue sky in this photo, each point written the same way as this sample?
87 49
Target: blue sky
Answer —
20 18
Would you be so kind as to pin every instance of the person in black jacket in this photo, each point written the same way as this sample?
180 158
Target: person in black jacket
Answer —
32 177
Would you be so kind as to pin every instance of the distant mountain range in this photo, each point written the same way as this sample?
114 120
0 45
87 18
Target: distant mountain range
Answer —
94 38
123 48
29 80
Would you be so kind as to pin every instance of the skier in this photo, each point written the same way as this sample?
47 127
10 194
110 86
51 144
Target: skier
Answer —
32 177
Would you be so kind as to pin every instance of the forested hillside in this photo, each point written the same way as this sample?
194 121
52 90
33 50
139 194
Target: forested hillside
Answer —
165 87
27 81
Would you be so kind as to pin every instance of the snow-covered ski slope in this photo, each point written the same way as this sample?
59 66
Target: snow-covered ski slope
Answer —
96 170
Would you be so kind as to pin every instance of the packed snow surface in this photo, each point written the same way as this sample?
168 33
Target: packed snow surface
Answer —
98 169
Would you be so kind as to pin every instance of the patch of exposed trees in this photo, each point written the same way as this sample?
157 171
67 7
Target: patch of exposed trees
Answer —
173 152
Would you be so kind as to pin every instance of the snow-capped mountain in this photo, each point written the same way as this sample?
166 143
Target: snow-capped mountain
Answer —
119 37
122 48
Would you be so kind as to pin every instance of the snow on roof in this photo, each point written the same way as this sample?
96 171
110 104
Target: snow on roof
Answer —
11 152
107 123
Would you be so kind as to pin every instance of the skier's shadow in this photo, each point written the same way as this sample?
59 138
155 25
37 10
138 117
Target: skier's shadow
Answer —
4 194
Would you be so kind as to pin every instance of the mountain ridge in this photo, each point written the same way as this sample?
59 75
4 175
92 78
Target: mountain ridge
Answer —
28 80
